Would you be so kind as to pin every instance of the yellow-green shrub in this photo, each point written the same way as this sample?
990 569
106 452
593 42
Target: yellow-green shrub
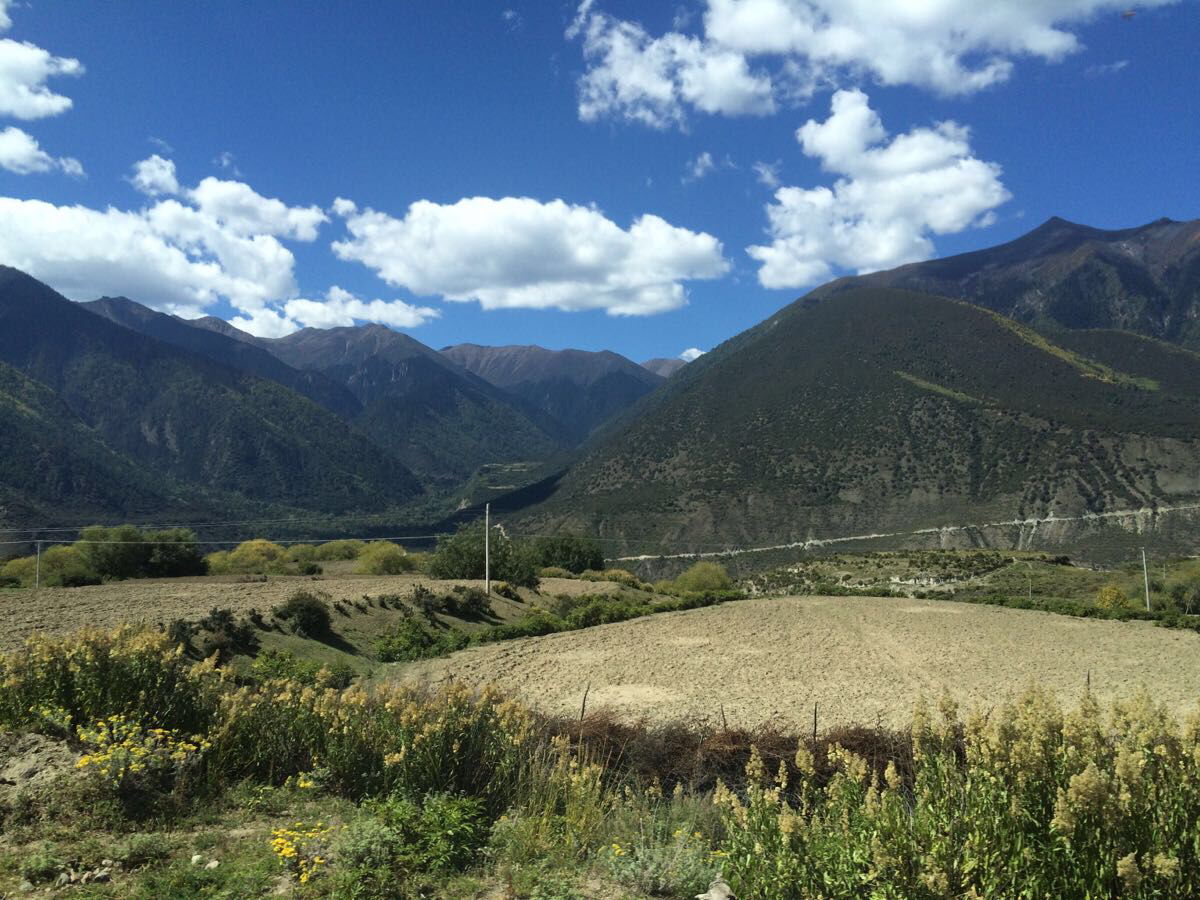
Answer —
384 558
1025 801
61 565
254 557
22 567
704 576
340 549
376 741
138 673
302 553
1112 598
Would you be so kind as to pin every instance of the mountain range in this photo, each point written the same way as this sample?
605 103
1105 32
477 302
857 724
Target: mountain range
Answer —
1063 275
862 408
197 415
1056 375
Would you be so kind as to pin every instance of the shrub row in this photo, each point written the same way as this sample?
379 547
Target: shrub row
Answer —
113 553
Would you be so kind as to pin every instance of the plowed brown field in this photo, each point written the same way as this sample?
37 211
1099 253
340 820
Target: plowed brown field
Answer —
862 660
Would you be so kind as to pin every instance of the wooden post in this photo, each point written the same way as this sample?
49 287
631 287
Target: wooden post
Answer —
814 725
37 578
583 706
487 548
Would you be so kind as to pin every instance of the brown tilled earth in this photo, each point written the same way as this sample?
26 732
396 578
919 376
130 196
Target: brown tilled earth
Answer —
862 660
56 611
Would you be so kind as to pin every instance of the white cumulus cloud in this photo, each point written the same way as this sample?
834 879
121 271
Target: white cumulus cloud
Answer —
181 254
24 70
154 176
20 153
754 54
692 354
889 197
340 307
517 252
652 80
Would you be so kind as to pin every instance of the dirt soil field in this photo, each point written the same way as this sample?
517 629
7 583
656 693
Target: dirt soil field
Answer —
863 660
57 611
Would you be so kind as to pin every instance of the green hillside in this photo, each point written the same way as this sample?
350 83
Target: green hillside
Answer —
437 418
51 461
190 419
884 410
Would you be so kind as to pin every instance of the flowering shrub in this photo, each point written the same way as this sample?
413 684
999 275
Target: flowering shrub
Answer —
1028 802
372 742
135 672
119 748
302 849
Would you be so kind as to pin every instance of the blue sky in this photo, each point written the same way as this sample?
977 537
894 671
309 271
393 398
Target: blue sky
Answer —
583 176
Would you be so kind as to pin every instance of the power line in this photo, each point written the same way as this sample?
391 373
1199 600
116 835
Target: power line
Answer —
362 517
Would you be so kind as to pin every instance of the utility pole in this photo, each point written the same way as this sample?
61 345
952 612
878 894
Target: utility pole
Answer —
487 548
1029 575
1146 577
37 578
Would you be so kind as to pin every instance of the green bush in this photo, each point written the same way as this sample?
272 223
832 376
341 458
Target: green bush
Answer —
225 635
468 603
1105 810
704 576
307 613
125 551
386 851
572 552
462 556
384 558
410 640
555 572
536 624
342 549
61 566
280 664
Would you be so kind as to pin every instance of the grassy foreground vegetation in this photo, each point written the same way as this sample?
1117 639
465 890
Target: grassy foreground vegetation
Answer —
394 791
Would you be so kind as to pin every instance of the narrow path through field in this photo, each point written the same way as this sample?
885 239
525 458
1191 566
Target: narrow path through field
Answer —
862 659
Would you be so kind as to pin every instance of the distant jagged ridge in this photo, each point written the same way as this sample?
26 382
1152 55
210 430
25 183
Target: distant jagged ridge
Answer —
1145 280
579 389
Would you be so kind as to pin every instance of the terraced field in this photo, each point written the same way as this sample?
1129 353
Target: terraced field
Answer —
862 660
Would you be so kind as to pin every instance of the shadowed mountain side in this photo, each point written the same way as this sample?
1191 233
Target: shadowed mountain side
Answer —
183 415
579 389
1144 279
883 410
224 346
439 419
52 464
